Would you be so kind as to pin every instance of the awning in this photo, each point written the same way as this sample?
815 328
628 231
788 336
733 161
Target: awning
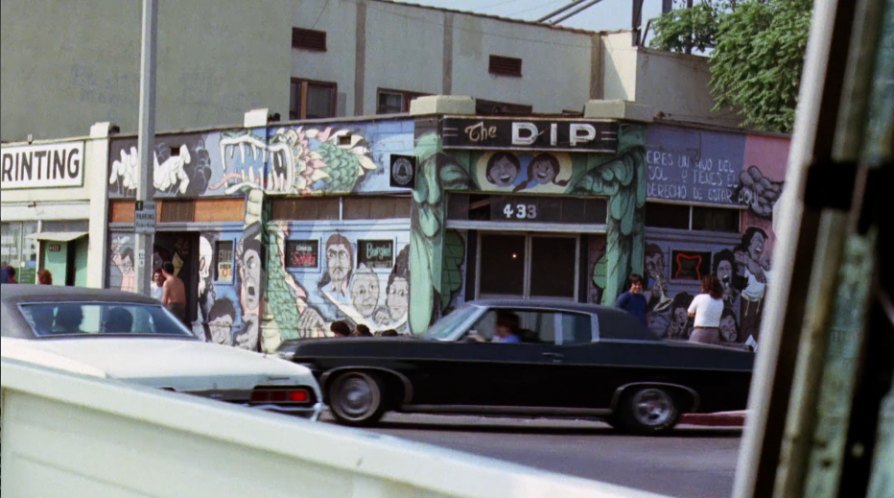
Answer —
56 236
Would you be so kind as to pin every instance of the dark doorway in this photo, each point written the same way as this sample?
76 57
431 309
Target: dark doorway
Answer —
182 250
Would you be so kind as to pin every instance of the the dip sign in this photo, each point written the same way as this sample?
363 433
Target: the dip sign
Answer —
40 166
565 135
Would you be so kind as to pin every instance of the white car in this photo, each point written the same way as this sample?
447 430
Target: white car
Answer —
130 337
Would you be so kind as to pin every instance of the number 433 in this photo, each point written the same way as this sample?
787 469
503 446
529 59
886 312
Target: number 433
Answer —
520 211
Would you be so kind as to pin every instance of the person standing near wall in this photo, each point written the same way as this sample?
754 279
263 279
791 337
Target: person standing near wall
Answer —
173 294
44 277
632 300
707 308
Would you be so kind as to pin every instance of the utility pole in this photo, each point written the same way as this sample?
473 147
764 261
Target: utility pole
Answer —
144 210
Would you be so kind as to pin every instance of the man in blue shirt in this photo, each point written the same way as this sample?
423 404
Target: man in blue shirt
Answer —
633 300
507 329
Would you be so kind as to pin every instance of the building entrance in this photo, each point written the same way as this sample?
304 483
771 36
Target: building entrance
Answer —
528 266
181 249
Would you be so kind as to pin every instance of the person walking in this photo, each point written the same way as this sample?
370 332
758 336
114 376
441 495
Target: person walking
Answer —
44 277
707 308
632 300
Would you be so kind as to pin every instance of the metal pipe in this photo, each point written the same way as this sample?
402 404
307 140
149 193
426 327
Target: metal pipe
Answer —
576 11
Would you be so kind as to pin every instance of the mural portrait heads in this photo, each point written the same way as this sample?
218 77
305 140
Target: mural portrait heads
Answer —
654 261
220 321
249 255
753 242
365 291
127 261
502 169
729 328
205 255
397 298
339 259
724 266
679 316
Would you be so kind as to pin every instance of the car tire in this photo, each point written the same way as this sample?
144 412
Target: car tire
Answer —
647 410
356 398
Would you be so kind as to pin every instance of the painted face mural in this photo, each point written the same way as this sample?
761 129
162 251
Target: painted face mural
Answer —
251 262
365 291
398 298
339 260
220 323
502 169
729 329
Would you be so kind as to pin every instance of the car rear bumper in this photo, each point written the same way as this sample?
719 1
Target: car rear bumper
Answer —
311 413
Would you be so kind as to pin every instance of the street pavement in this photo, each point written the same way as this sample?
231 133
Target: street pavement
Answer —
692 462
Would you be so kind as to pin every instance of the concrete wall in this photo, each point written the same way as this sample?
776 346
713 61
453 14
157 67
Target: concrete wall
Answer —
70 435
66 66
679 86
619 67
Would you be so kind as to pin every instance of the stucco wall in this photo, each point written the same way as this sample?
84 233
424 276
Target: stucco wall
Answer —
66 66
679 86
555 64
619 67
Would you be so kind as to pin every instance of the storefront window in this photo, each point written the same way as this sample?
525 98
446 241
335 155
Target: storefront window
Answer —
223 272
552 267
17 250
502 265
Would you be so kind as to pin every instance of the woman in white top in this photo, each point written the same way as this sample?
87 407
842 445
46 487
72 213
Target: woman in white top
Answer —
707 309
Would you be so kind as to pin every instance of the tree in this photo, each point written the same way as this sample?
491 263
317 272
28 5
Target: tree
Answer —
757 53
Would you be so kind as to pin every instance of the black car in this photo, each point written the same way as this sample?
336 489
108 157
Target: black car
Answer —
564 359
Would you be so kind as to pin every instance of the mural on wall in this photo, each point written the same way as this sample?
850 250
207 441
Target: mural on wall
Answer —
303 299
437 173
619 179
615 176
545 172
122 268
282 160
741 261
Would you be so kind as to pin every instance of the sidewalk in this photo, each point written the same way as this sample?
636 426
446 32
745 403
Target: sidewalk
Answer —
717 419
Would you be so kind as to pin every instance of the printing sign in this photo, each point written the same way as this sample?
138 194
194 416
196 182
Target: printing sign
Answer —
40 166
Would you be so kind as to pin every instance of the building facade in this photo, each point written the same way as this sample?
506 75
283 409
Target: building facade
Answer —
52 214
307 59
391 222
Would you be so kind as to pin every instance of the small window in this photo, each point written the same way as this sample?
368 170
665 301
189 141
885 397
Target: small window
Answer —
312 99
715 219
494 108
318 208
177 211
375 253
505 66
303 253
376 208
223 254
309 39
395 101
667 216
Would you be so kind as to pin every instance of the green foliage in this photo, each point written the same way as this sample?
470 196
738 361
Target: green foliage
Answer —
757 57
682 30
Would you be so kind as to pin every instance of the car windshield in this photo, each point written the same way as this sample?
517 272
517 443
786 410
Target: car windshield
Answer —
446 326
72 318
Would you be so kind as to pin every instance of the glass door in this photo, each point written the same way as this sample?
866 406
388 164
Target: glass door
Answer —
528 266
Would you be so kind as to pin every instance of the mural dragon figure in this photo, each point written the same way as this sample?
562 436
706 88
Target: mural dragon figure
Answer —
296 161
432 285
617 178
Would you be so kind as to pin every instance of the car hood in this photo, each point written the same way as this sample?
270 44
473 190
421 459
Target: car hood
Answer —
182 365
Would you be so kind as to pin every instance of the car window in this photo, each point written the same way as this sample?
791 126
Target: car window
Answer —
614 324
61 318
536 326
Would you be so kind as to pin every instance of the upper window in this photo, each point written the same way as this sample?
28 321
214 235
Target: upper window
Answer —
715 219
394 101
337 207
309 39
505 66
494 108
312 99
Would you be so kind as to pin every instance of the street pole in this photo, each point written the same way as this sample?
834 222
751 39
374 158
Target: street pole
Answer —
144 210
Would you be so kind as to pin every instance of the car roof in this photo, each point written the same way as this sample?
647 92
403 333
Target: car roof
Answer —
543 303
20 293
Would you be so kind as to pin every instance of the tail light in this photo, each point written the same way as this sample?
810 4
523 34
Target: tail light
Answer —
282 396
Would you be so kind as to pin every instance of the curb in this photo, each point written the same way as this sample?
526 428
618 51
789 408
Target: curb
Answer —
717 419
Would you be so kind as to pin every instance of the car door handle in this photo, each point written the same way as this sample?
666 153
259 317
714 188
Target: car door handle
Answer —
554 356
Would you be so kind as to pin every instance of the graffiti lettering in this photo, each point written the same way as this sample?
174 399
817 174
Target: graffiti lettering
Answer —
479 133
374 250
656 173
667 191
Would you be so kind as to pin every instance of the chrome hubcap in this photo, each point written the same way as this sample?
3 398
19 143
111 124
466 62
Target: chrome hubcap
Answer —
356 397
652 407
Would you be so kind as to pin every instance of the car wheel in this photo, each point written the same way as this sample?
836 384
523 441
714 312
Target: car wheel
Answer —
648 410
356 398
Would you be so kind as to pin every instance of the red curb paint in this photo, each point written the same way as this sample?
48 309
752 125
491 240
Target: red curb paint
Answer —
727 419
